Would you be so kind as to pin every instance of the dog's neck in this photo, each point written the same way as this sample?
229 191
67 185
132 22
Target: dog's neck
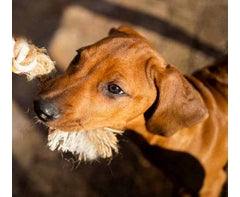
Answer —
177 141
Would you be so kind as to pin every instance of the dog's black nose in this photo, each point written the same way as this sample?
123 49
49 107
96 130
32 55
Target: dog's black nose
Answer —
46 110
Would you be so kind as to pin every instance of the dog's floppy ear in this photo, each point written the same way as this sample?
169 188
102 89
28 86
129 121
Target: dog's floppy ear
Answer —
123 30
178 104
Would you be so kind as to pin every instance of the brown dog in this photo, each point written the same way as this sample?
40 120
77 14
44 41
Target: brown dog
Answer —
121 82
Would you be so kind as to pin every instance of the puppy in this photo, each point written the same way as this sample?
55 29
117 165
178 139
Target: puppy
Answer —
122 83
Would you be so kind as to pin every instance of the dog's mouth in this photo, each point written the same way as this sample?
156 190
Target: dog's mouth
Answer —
86 145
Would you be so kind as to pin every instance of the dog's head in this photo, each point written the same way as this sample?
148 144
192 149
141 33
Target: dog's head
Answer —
114 81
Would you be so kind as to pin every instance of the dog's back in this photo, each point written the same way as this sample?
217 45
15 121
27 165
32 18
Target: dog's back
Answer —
215 76
212 83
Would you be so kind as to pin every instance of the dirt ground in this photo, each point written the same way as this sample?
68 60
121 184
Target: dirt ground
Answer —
188 34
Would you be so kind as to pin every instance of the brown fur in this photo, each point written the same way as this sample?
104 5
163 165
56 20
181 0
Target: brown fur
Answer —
160 102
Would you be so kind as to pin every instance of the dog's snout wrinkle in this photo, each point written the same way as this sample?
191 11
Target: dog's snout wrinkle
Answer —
46 110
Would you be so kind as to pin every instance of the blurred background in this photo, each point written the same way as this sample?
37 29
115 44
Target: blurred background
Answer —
188 34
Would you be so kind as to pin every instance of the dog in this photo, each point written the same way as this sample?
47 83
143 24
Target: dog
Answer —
121 82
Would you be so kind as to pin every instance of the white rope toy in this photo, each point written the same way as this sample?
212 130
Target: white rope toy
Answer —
30 60
87 145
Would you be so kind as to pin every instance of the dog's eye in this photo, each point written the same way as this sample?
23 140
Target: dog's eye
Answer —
115 89
76 59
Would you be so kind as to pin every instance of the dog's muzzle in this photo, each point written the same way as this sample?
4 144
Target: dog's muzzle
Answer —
46 110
